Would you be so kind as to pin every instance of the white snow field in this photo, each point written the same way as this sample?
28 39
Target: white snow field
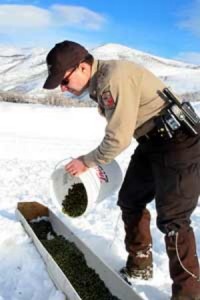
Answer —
33 139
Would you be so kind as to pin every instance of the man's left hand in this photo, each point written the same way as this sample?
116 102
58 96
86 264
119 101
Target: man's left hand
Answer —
75 167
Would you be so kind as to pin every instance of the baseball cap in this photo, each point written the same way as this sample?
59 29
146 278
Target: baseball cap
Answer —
62 57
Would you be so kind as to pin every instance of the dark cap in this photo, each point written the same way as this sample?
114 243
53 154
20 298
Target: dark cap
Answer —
62 57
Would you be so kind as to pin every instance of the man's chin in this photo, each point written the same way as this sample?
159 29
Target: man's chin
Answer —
80 93
75 93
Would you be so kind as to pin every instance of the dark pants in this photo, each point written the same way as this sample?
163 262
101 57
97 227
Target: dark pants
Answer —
168 171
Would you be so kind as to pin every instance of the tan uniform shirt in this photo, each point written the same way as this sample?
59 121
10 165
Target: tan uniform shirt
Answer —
127 95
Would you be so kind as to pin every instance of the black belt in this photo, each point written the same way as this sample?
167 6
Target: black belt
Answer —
160 132
155 135
150 136
176 118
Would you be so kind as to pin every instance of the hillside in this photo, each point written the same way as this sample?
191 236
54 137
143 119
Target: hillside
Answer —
23 70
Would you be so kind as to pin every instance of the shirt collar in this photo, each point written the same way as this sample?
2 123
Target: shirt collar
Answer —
94 67
92 84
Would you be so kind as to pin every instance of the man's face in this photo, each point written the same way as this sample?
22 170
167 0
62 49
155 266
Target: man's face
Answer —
76 80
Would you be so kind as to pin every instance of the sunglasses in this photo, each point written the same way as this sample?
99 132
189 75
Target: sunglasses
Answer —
66 79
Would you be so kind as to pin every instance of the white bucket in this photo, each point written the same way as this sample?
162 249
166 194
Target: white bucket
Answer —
99 182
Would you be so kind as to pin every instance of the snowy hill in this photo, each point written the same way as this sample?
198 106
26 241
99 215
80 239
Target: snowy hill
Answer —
183 77
24 70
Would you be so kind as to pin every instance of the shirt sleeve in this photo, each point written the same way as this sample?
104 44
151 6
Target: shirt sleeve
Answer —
121 117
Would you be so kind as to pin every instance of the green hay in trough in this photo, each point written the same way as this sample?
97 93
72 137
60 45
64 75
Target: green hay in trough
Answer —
72 262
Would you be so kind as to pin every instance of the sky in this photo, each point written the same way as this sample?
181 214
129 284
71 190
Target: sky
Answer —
169 29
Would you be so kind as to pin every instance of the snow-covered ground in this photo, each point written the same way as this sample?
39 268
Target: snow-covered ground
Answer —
33 139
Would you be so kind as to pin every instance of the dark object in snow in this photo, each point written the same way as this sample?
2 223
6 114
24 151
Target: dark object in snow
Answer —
73 264
42 228
75 203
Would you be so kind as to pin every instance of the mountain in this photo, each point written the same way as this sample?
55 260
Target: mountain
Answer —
182 77
23 70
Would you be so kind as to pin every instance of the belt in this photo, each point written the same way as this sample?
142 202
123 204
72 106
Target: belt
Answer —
150 136
172 121
158 135
160 132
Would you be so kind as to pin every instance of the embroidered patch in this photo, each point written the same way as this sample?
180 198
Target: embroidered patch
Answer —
107 100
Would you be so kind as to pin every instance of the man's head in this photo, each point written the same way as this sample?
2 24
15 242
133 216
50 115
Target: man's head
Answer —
69 65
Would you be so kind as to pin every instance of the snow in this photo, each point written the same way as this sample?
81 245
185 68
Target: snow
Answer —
34 138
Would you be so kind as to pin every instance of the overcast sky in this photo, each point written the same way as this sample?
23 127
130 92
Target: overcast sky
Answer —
166 28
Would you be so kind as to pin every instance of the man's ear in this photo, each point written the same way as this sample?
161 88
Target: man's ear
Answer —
84 67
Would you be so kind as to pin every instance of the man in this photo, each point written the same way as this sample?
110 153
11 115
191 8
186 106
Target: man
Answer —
164 166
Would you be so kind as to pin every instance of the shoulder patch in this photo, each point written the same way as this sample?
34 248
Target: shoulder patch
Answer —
107 100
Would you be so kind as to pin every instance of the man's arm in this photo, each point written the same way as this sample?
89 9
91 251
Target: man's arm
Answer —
122 116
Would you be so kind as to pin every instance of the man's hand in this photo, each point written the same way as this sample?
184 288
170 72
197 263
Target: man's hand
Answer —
75 167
